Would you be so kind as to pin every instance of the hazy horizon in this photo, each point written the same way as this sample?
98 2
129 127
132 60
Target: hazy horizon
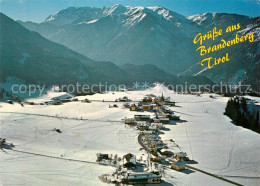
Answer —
38 10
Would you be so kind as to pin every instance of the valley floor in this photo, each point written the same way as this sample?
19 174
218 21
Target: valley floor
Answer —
205 134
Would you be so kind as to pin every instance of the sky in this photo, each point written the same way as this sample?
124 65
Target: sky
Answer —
38 10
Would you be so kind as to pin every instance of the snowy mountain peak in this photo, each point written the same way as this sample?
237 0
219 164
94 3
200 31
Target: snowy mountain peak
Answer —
217 19
115 10
162 11
128 13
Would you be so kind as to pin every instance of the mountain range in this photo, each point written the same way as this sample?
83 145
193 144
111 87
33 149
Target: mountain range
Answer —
143 38
153 35
28 56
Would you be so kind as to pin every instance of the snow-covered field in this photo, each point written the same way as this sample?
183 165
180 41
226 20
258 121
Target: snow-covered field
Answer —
205 134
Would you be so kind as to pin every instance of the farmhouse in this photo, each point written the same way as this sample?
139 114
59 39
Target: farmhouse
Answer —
151 137
142 178
65 100
181 156
146 107
86 101
154 143
142 125
133 107
10 101
155 120
178 165
166 115
101 157
152 128
157 125
159 106
130 121
158 147
147 132
170 103
142 117
169 111
129 161
164 120
124 99
55 102
126 105
174 117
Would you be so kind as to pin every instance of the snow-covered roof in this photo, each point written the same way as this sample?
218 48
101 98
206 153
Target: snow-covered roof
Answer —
143 175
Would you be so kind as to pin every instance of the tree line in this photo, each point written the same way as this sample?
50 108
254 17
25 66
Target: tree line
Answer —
237 110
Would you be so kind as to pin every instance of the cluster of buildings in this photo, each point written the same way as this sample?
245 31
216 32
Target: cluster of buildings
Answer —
150 103
150 129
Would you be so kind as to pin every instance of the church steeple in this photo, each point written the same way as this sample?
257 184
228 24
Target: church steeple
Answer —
162 97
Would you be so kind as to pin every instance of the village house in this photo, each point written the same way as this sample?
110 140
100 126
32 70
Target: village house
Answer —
157 125
152 128
146 107
178 165
142 117
158 147
151 95
129 161
142 125
133 107
153 143
166 115
101 157
65 100
147 99
126 105
181 156
145 132
159 106
158 159
151 137
164 120
86 101
170 103
166 152
142 178
113 106
156 120
130 121
56 102
124 99
10 101
174 117
168 111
